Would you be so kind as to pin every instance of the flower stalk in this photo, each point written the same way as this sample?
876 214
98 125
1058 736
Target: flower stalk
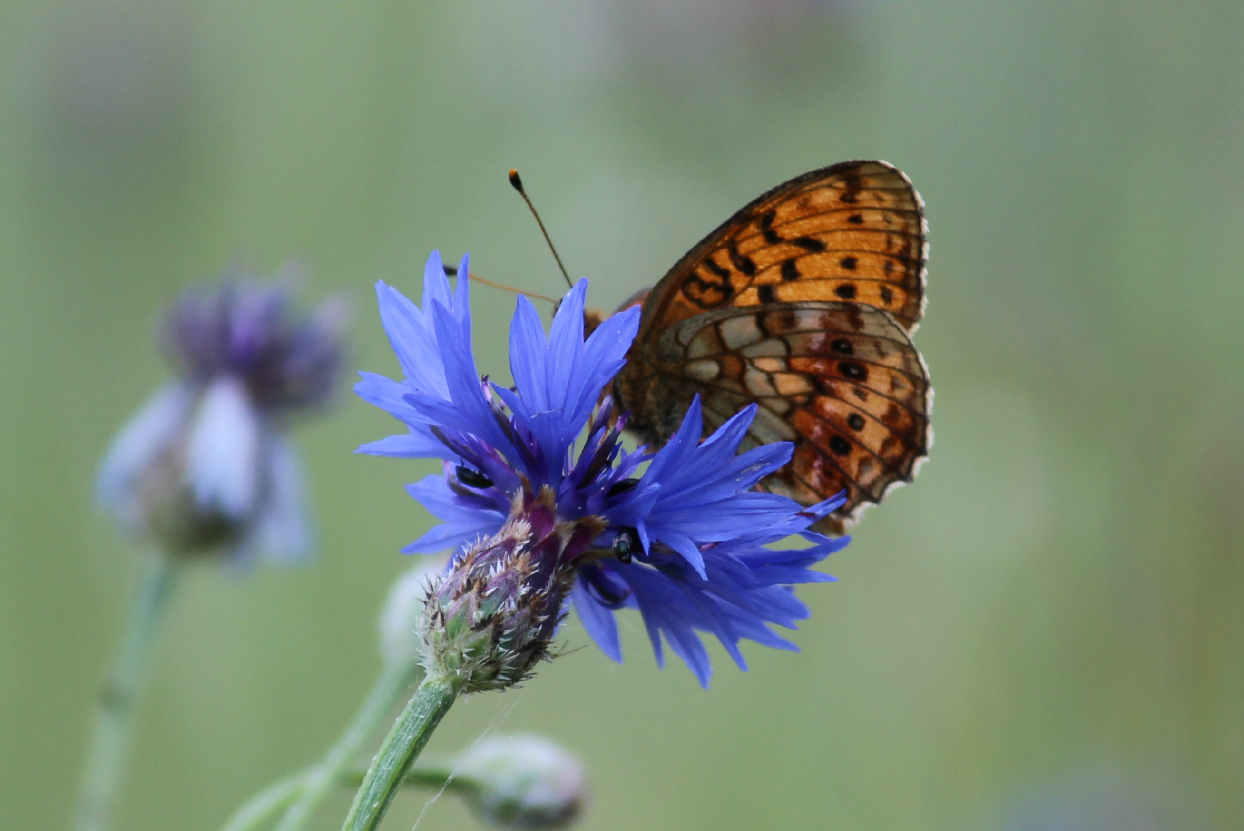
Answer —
520 781
302 792
320 779
118 698
401 747
511 782
267 802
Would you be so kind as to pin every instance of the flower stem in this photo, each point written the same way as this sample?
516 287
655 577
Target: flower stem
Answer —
267 802
400 749
438 776
434 775
114 718
395 679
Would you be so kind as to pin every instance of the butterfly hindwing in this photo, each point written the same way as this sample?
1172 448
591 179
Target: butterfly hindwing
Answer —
841 381
851 232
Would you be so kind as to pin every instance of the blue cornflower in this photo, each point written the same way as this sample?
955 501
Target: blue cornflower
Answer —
205 465
537 472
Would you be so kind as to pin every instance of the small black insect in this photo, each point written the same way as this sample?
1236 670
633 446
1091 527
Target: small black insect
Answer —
472 478
619 488
625 544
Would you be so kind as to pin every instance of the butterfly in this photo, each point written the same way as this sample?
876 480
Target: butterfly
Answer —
804 303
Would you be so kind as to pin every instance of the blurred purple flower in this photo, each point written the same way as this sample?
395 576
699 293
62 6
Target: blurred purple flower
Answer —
205 465
676 534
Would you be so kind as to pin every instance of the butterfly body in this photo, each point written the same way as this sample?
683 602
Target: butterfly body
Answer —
803 303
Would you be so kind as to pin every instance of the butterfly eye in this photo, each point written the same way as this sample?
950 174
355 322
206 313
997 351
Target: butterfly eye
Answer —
625 544
619 488
472 478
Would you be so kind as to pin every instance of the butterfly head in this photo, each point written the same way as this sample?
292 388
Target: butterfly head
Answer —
591 321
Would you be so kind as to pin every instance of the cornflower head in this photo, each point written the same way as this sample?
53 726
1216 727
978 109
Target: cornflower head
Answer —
205 465
545 510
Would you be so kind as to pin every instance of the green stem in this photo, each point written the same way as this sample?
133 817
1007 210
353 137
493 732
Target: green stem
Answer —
281 794
393 681
434 776
400 749
267 802
114 718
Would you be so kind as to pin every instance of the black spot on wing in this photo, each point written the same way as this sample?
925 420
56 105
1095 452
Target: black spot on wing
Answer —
852 370
707 292
741 261
720 270
766 227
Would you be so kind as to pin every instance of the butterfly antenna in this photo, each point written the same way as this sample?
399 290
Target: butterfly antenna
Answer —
517 184
452 271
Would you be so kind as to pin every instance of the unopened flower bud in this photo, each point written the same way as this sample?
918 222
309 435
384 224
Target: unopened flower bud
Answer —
399 619
491 618
522 782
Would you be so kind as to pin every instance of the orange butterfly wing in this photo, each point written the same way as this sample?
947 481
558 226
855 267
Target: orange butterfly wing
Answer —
852 232
803 303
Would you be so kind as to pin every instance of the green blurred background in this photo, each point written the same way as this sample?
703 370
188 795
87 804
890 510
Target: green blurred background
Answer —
1046 628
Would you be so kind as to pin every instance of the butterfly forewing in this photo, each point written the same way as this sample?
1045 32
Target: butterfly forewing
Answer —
803 303
852 232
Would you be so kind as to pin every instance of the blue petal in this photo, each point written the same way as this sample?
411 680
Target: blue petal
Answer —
462 523
603 355
753 629
566 338
413 340
283 529
666 612
695 493
559 379
597 621
412 445
473 412
435 283
462 296
528 360
138 443
223 450
384 393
